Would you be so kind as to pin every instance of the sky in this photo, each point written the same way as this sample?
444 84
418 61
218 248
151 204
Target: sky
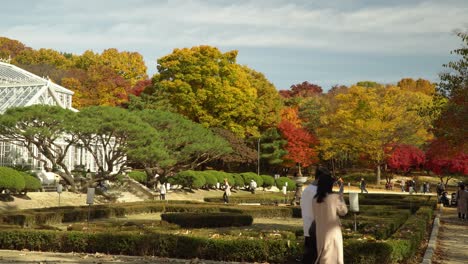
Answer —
329 42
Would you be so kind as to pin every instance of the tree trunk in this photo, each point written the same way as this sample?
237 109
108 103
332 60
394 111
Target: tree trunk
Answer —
299 173
378 174
333 167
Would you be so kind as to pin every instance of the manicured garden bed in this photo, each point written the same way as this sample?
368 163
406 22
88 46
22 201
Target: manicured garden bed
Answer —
390 230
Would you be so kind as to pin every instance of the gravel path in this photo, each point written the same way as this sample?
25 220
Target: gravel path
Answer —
34 257
452 239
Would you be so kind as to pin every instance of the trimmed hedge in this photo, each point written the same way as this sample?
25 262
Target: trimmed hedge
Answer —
238 180
197 220
280 182
210 179
401 246
11 179
188 179
57 215
268 181
31 183
152 244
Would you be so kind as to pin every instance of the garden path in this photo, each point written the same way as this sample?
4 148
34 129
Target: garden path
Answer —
452 239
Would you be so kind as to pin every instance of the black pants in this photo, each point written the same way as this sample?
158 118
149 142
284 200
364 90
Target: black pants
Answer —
310 246
225 198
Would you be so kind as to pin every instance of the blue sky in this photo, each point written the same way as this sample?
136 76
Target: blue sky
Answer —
323 42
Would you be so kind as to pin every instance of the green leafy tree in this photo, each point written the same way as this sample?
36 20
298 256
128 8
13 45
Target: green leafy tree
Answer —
45 128
109 133
272 147
188 145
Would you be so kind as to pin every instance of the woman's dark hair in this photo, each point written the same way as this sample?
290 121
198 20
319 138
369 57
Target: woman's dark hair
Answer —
324 185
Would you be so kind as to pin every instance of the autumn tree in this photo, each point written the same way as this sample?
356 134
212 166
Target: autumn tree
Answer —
452 124
369 120
99 85
445 160
405 158
419 85
300 146
129 65
10 48
210 88
243 156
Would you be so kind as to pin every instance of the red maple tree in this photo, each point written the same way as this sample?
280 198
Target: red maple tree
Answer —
444 160
300 145
405 158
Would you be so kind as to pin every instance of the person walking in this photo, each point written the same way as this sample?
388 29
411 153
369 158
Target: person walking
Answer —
310 241
227 191
363 185
253 186
162 192
462 202
327 207
340 183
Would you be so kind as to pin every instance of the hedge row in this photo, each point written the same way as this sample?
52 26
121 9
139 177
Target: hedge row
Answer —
210 178
46 216
211 220
401 246
152 244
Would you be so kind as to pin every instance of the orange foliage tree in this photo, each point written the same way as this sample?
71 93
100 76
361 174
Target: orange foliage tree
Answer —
300 145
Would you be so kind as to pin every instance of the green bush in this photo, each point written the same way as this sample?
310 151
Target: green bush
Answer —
188 179
31 183
197 220
210 179
139 176
268 181
280 182
11 179
249 176
401 246
152 244
238 180
221 175
259 180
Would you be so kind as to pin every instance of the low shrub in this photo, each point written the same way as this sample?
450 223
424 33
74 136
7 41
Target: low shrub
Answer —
11 179
401 246
188 179
139 176
197 220
248 177
210 179
268 181
238 180
259 180
280 182
31 183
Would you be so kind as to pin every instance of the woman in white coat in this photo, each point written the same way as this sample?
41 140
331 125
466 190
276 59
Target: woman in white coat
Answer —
327 207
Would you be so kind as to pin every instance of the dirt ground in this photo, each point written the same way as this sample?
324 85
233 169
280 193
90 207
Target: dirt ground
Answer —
452 239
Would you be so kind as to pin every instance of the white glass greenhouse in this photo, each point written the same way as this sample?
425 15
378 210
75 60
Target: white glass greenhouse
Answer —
21 88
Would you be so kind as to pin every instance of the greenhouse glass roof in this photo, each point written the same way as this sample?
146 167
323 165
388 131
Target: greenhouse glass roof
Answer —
21 88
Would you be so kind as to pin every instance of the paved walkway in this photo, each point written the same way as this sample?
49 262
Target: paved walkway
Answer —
452 239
